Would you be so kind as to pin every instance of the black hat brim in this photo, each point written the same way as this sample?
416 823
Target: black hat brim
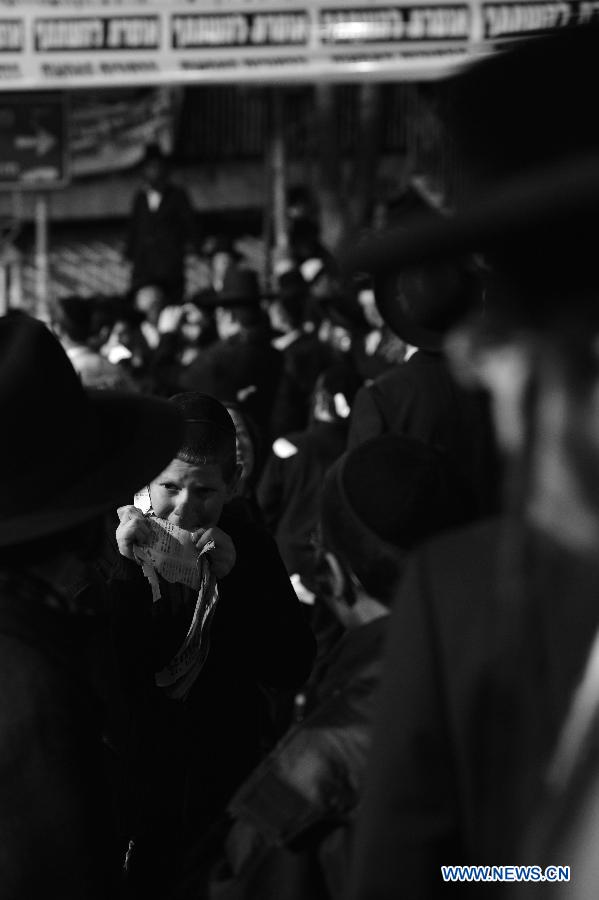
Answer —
398 322
504 214
226 300
140 436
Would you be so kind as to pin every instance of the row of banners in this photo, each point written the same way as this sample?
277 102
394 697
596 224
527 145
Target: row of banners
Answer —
84 43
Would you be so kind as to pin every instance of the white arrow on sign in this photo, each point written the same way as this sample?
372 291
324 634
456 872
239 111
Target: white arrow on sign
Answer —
42 142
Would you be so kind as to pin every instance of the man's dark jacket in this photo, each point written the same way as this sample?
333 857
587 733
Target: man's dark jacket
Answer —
56 831
484 652
420 399
299 804
157 241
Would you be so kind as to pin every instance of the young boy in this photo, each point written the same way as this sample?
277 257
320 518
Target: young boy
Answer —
188 755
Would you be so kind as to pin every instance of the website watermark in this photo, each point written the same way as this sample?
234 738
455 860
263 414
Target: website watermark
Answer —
506 873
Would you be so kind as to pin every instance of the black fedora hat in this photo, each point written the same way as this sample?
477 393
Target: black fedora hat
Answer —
240 288
67 453
528 145
204 298
220 243
423 303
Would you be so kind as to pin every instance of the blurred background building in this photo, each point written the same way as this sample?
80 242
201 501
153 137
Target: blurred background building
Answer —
247 98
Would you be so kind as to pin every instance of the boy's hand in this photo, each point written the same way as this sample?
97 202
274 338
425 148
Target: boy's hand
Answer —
133 530
223 556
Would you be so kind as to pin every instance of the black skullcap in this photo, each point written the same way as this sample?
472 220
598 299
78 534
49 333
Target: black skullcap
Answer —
197 408
392 487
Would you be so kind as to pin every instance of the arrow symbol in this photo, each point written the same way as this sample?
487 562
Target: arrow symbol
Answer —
41 142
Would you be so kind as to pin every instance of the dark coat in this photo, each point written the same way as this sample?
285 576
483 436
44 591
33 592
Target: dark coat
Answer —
420 399
290 489
244 368
157 241
303 361
56 833
294 815
480 667
184 759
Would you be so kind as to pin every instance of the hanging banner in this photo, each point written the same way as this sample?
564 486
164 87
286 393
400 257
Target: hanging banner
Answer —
99 43
109 130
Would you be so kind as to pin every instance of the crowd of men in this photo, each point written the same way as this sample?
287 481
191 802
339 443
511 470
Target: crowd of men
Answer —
380 659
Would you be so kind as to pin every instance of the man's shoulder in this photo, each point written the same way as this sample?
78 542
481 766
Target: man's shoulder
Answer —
461 573
398 379
176 192
455 546
241 526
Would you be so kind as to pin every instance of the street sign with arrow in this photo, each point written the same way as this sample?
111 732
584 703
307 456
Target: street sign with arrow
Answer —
33 141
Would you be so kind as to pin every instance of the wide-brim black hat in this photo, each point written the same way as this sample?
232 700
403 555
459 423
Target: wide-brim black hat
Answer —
424 303
240 288
68 454
527 144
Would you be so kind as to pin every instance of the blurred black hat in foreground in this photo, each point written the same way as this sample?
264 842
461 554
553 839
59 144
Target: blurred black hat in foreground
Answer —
528 145
67 454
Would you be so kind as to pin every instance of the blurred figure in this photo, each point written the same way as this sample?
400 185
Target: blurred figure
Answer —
380 349
240 366
304 355
126 346
293 817
421 397
184 331
223 256
493 625
161 226
341 328
249 457
291 484
306 247
67 455
149 301
301 204
74 325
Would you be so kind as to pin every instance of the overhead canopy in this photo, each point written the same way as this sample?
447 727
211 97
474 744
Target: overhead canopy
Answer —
109 43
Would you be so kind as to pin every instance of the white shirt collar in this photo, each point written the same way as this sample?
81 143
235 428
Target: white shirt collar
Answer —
154 198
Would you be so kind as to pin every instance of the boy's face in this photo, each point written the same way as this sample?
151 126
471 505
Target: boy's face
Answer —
191 496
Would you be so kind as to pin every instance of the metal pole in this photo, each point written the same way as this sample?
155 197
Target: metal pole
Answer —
279 178
41 257
3 290
15 289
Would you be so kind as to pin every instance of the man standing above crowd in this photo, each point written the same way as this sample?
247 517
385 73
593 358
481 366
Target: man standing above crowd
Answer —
160 228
